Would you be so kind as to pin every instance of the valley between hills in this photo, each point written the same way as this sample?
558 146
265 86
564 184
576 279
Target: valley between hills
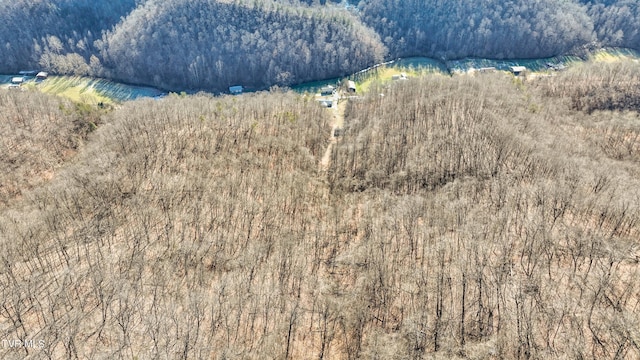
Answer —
453 207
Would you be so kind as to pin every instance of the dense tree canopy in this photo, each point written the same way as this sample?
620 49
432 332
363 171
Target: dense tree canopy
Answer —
616 22
212 45
179 44
490 28
57 35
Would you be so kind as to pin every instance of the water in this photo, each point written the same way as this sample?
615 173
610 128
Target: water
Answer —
120 92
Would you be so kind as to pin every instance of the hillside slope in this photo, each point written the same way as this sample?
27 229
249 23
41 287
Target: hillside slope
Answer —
616 22
40 134
466 217
210 45
56 35
494 29
213 44
493 218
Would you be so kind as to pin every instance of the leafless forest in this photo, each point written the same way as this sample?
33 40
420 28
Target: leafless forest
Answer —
210 45
480 217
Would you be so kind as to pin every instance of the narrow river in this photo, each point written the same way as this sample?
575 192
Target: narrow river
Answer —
123 92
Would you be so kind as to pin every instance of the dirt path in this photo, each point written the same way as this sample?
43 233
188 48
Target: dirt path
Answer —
338 123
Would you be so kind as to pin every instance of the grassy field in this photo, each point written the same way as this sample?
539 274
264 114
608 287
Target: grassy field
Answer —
77 89
613 55
87 90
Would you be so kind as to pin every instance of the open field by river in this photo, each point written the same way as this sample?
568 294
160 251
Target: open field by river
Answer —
94 90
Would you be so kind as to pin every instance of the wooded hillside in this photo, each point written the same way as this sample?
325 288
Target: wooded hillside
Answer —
468 217
494 28
212 45
56 35
616 22
209 45
501 29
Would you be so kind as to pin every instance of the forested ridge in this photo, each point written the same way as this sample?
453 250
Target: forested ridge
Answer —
478 216
58 36
490 28
233 43
209 45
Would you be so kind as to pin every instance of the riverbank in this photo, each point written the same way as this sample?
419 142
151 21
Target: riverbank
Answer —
96 90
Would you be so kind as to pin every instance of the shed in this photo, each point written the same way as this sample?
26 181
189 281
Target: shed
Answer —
41 75
351 86
17 80
236 89
518 70
327 90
